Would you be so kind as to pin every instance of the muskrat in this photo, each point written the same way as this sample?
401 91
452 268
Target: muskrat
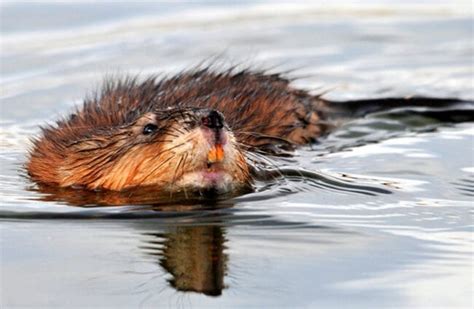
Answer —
196 131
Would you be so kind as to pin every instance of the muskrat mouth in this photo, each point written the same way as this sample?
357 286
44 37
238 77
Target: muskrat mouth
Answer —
215 155
214 173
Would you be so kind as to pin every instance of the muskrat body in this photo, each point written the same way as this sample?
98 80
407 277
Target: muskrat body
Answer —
191 130
195 131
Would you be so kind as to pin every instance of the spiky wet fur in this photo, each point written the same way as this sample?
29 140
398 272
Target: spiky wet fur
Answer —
100 145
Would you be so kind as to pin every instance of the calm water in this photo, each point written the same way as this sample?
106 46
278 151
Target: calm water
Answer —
381 217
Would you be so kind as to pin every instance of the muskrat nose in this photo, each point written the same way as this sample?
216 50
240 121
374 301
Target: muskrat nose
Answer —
213 120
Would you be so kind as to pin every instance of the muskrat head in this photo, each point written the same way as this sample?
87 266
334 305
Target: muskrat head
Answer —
190 149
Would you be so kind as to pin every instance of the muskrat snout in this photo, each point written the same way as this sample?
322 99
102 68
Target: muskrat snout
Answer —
213 128
214 120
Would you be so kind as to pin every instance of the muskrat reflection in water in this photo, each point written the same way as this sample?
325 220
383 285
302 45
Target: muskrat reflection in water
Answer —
199 131
193 256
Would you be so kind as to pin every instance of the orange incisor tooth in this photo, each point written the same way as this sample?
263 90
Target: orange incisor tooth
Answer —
216 154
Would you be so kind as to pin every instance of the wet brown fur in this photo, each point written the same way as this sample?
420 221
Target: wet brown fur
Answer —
99 146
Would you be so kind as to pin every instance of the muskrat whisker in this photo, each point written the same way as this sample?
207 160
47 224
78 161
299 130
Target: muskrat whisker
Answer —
174 147
255 134
266 160
185 192
158 141
171 148
253 149
184 164
247 148
267 163
155 169
167 131
181 158
174 175
260 161
243 170
178 130
171 134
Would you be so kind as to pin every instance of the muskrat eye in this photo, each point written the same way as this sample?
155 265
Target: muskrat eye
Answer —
150 128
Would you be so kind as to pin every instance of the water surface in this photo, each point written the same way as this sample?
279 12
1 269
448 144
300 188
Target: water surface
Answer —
378 215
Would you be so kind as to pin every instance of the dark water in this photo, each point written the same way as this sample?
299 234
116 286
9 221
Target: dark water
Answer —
378 214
